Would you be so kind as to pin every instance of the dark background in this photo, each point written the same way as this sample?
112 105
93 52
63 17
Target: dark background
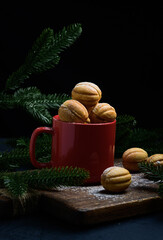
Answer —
120 49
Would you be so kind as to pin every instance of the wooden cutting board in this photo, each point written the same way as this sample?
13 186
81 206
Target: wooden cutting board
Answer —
92 204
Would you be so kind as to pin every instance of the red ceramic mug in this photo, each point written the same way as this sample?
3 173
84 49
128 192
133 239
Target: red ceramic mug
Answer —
90 146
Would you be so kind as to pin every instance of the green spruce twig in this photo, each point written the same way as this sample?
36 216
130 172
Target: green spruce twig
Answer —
151 171
44 54
18 184
15 186
124 126
11 160
34 102
154 173
19 157
128 135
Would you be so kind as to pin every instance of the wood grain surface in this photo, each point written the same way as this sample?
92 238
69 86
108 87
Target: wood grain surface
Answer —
92 204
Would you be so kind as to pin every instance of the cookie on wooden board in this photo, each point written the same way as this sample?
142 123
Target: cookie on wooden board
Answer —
132 156
115 179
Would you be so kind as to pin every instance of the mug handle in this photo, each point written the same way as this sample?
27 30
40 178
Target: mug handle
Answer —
35 133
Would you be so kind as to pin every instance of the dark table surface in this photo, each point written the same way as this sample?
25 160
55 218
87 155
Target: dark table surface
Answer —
43 227
148 227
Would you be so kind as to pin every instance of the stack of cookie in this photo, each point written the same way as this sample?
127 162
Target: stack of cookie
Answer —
84 107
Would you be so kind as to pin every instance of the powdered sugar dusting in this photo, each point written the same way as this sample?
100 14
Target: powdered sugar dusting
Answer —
139 184
140 181
100 193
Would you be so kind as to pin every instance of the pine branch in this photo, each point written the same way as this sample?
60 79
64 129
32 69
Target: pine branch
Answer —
32 62
14 159
55 177
154 173
145 136
66 37
19 183
151 171
39 107
127 136
125 123
15 186
19 157
126 120
124 126
44 54
34 102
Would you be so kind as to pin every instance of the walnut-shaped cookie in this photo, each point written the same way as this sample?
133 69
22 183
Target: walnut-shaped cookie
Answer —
102 112
156 159
115 179
73 111
89 94
132 156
